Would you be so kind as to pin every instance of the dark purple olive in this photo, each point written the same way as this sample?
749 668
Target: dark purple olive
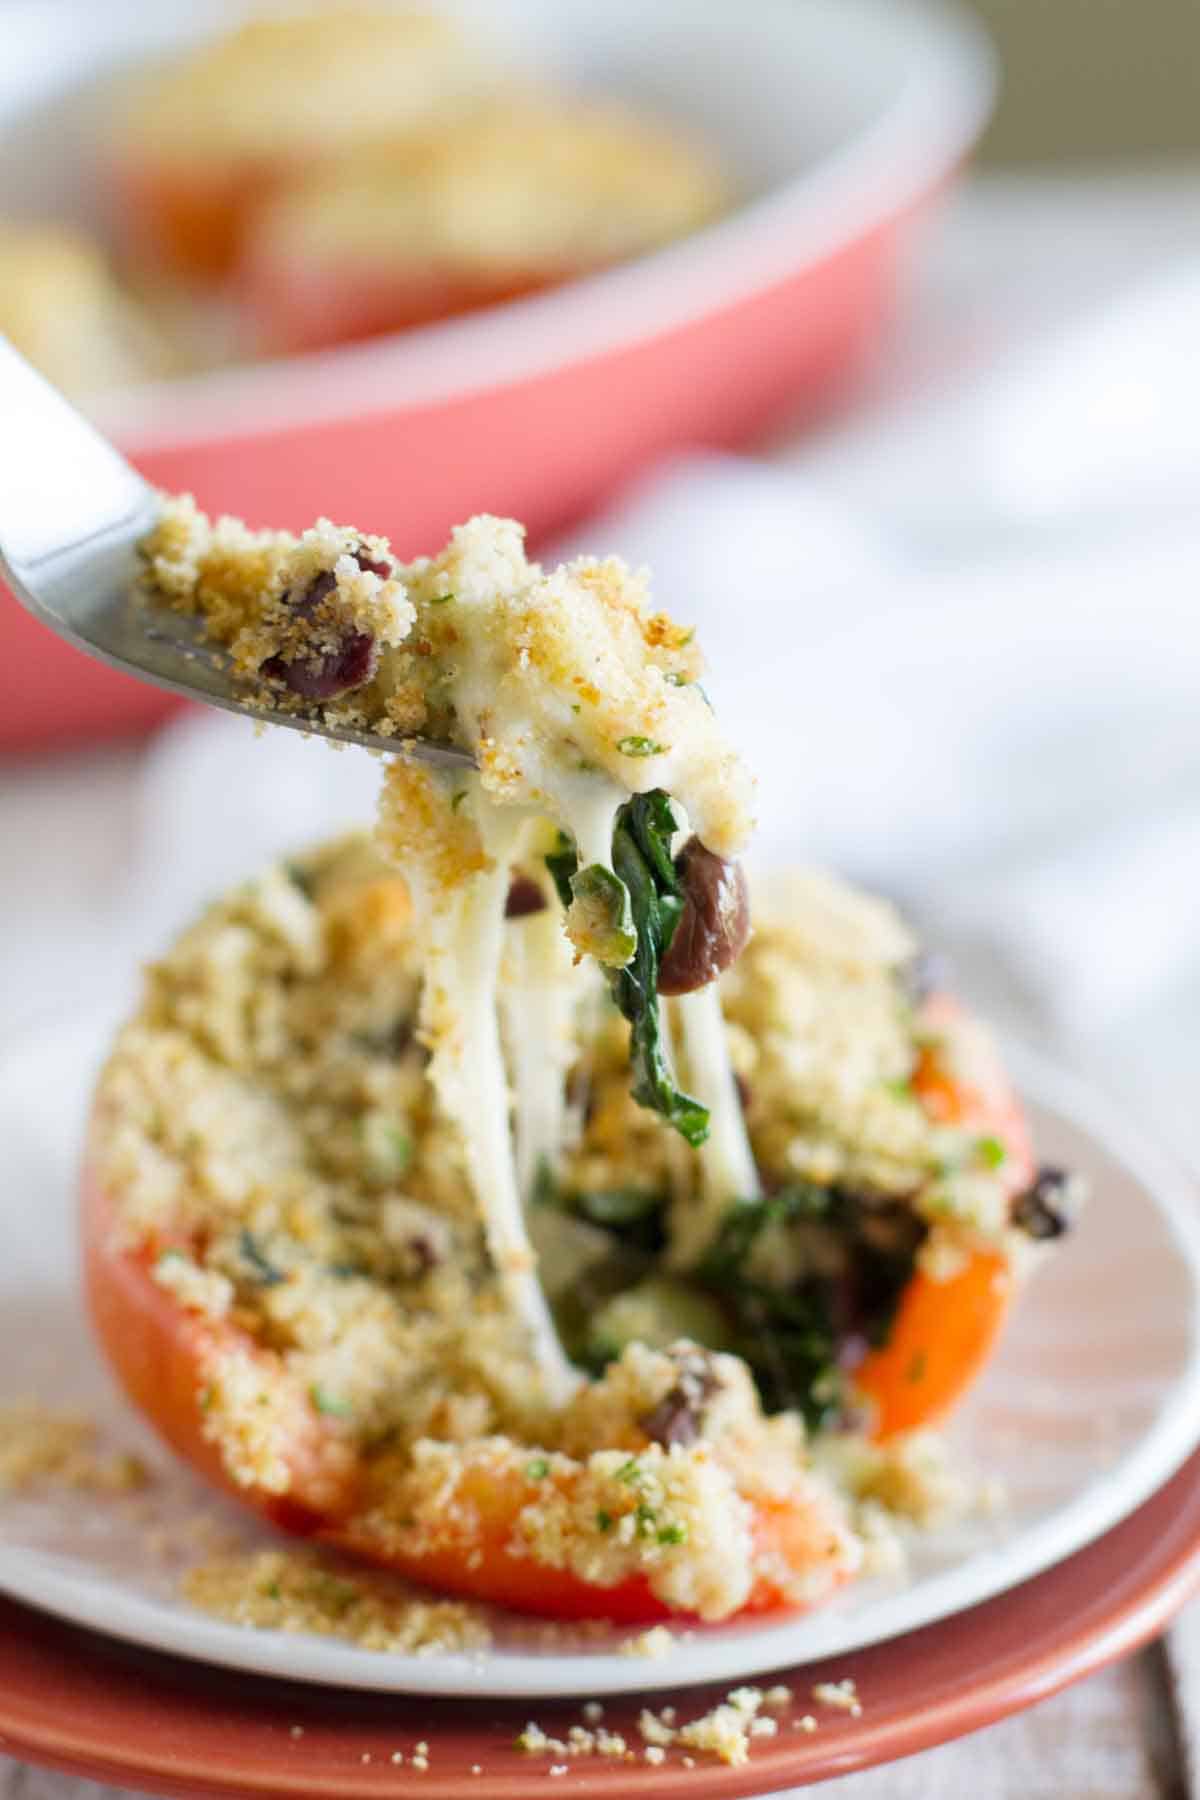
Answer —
852 1350
325 677
712 931
679 1416
1045 1210
350 664
524 897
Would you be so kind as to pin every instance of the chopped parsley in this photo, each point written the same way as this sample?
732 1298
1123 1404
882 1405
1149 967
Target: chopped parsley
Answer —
635 745
328 1403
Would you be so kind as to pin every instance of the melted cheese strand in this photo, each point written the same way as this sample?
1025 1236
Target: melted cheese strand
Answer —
727 1168
587 808
539 1007
466 926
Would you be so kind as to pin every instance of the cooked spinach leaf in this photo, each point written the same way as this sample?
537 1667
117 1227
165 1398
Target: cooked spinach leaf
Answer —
800 1338
642 862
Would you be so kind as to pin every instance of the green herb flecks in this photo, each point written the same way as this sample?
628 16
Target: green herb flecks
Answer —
990 1151
260 1265
301 878
386 1146
635 745
329 1404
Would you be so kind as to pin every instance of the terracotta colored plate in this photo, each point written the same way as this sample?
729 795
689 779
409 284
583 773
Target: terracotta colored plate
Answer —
120 1714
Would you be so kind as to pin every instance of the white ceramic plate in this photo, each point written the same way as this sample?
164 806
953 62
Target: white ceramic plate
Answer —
1092 1403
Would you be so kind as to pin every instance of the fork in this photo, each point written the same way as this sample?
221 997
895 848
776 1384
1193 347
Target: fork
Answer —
72 514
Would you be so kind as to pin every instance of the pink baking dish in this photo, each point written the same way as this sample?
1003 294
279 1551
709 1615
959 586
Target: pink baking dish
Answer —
842 119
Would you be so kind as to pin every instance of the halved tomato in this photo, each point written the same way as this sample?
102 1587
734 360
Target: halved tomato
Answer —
164 1357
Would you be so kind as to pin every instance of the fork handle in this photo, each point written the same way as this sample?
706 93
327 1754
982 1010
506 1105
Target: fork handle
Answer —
64 491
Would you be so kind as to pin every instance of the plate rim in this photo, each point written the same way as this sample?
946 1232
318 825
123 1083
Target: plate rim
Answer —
1108 1498
1157 1583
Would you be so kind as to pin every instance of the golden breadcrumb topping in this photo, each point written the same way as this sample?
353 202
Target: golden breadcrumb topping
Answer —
272 1142
300 86
565 685
63 308
534 187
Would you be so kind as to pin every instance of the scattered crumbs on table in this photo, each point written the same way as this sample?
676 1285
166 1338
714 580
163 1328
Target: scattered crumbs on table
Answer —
842 1696
654 1728
579 1741
725 1731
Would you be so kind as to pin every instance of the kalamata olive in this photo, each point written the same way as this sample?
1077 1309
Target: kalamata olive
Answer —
524 897
852 1350
350 664
679 1416
1044 1210
325 677
712 931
